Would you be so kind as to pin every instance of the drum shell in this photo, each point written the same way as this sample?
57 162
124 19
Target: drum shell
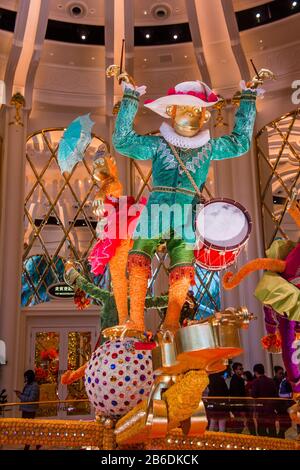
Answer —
221 260
208 345
214 257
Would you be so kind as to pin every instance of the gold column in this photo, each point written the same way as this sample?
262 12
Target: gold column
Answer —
15 118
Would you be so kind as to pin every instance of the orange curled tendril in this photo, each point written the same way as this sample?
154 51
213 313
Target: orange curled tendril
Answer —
294 212
231 280
72 375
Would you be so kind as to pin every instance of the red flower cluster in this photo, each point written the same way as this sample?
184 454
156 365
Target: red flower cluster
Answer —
40 374
81 300
271 342
49 354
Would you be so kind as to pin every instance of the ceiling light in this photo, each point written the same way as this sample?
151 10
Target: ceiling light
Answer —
161 11
83 37
51 53
76 9
147 36
294 4
257 15
145 12
261 41
145 60
185 56
175 36
93 58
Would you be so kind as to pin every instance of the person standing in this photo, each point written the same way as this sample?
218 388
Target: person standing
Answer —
216 409
278 376
237 389
30 393
264 387
285 393
248 377
237 382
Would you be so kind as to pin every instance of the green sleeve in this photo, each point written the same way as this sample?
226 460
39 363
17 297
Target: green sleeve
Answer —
77 281
125 140
280 294
238 142
157 302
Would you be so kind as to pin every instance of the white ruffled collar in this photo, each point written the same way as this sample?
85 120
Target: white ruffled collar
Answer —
177 140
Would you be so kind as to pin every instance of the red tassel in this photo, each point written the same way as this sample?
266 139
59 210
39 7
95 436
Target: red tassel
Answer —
139 260
180 272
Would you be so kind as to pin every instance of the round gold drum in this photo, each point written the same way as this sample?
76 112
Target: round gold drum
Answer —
207 345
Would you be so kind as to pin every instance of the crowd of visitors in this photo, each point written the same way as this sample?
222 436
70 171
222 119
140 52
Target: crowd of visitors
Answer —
239 401
235 400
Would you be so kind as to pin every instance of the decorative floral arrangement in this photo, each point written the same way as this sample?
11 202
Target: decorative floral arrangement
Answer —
49 354
41 374
80 300
272 343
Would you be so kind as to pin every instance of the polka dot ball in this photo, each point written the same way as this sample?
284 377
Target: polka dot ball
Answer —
118 377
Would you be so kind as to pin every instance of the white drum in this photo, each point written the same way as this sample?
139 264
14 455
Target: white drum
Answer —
223 227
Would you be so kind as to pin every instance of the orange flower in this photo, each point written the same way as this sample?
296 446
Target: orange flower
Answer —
272 342
52 353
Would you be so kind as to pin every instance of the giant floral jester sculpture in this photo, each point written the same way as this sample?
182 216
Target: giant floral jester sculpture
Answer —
180 156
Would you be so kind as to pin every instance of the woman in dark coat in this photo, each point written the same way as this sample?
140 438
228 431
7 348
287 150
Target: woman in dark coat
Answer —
217 409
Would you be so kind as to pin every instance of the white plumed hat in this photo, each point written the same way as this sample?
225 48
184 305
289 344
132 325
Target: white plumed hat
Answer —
186 93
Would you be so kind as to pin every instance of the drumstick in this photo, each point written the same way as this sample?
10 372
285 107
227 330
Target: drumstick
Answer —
121 60
255 69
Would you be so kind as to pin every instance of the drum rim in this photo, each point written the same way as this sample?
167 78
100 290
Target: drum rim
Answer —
245 212
215 268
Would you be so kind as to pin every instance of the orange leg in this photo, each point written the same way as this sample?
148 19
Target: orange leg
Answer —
117 266
181 278
139 272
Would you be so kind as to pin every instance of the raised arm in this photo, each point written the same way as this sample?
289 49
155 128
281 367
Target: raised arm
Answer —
238 142
125 140
77 281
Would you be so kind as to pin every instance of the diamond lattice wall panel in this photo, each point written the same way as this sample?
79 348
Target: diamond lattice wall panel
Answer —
278 150
58 218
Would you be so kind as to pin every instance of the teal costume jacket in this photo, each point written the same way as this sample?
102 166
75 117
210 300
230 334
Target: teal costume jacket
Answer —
167 173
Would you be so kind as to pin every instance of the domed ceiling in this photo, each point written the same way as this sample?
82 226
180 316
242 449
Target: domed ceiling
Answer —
58 50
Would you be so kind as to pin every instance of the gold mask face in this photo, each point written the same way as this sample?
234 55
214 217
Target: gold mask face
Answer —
188 120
